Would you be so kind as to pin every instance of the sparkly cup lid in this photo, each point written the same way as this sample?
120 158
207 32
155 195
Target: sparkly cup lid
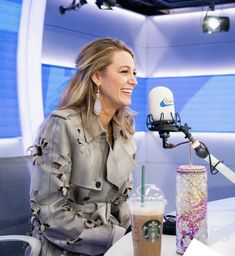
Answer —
191 168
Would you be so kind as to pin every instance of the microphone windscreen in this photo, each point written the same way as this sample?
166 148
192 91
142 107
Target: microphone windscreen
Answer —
161 104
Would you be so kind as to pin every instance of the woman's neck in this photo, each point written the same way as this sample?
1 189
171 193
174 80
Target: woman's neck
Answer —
105 118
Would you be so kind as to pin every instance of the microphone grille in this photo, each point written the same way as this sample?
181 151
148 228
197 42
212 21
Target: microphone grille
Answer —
161 104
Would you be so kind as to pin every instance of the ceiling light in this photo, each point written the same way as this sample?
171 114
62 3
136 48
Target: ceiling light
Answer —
72 6
213 24
105 5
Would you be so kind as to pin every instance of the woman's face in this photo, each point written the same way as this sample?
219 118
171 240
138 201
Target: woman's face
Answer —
117 81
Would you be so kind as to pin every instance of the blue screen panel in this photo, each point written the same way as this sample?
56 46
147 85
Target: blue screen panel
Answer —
9 110
206 103
139 102
55 78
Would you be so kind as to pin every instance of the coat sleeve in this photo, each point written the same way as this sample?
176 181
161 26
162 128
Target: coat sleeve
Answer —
51 173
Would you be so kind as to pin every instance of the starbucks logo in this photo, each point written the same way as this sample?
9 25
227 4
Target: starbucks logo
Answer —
152 230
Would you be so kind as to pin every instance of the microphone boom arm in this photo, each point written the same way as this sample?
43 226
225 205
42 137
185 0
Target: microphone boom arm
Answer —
165 127
203 153
220 167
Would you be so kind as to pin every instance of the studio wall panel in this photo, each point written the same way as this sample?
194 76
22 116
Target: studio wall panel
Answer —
65 35
10 12
177 46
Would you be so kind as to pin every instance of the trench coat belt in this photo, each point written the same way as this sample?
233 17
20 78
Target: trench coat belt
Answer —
92 207
96 214
97 211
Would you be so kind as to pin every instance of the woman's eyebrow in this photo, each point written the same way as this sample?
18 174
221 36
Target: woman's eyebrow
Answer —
126 66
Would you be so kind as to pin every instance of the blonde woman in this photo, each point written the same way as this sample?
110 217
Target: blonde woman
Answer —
84 155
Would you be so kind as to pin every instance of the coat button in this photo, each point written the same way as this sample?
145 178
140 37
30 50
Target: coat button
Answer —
98 184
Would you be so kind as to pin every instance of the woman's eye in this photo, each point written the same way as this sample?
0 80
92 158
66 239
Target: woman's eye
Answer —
124 71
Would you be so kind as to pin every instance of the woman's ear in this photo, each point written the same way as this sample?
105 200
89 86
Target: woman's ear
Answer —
96 78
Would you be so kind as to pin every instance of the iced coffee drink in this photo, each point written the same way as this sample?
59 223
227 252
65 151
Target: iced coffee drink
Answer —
147 223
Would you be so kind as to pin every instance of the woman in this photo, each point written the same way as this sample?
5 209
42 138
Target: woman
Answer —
84 156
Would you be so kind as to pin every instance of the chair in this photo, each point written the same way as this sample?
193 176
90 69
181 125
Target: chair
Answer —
32 241
15 207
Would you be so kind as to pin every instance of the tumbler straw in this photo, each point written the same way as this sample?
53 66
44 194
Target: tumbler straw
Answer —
142 184
190 154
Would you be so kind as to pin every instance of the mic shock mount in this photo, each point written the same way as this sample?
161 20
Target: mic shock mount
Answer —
164 127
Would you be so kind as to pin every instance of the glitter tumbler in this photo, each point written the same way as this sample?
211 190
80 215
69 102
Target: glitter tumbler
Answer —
191 206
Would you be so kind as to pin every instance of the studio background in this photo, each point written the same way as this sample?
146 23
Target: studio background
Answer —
38 50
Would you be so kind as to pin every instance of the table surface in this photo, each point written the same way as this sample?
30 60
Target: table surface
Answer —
221 233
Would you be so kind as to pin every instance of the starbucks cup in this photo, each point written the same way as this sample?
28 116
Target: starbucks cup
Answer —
147 207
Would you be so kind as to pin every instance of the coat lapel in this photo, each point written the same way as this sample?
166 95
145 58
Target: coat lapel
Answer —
119 164
120 160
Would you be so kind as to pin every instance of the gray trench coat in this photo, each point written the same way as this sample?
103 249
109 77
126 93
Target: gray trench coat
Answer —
79 185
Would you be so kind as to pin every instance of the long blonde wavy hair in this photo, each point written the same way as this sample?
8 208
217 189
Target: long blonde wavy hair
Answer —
81 90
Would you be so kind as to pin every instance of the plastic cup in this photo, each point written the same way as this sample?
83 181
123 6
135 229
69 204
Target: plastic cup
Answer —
147 220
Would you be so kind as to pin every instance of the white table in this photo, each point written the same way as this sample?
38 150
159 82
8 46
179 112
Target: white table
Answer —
221 233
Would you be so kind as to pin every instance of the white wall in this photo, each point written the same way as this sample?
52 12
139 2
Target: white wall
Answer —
176 46
166 45
29 69
64 35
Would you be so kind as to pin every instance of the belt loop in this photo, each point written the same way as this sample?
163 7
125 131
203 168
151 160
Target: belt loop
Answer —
108 210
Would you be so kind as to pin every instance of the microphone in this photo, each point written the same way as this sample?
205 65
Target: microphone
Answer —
162 115
163 119
161 104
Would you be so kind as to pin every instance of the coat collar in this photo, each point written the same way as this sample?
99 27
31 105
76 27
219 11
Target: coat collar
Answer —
98 128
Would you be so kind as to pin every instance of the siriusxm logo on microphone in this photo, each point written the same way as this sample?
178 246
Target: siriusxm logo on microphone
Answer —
166 102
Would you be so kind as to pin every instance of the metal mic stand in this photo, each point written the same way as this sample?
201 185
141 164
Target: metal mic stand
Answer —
165 127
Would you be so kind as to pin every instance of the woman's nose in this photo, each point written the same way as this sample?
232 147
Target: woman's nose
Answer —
133 80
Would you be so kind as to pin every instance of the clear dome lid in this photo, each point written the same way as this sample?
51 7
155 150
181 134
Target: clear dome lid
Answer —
147 193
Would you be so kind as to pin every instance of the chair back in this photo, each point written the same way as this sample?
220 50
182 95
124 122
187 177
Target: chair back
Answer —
14 201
